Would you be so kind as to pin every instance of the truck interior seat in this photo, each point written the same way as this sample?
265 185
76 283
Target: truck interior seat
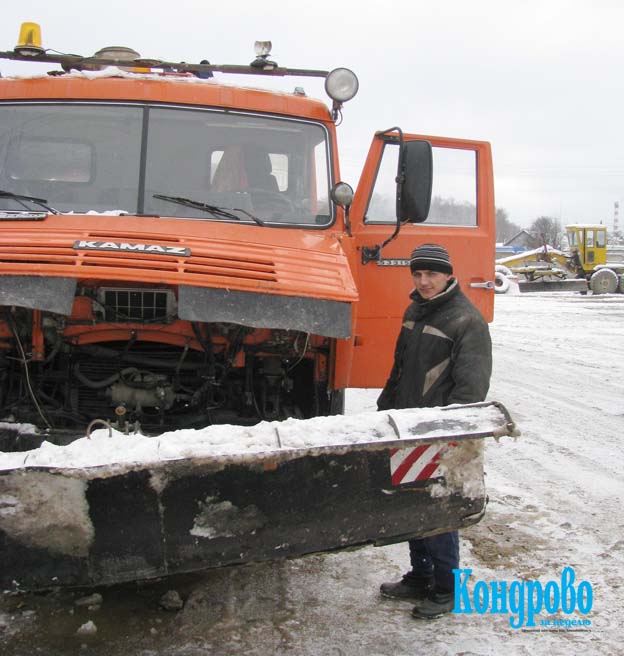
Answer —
259 170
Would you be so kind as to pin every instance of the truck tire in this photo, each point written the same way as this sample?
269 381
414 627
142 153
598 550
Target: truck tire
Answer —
501 268
501 283
603 281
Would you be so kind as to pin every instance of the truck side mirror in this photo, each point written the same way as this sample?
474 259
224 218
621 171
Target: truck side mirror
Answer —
414 181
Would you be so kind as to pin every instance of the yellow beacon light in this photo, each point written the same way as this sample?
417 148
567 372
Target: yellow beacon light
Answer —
29 40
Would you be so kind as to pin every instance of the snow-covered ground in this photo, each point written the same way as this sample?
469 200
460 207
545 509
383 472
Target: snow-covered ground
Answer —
555 501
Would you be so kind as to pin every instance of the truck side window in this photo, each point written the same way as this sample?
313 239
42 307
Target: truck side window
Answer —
590 238
318 197
454 195
215 159
279 169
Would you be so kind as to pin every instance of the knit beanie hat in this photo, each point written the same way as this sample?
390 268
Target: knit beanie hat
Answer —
431 257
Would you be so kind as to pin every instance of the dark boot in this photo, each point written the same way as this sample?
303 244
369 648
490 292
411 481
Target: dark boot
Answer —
410 586
434 605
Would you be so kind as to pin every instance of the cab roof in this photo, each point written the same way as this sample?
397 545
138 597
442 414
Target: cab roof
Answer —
115 84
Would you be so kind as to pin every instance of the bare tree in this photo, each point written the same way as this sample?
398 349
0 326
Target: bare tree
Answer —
505 228
547 230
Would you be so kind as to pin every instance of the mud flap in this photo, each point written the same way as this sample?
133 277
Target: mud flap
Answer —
103 525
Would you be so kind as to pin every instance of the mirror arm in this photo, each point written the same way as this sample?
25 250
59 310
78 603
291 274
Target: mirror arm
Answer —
347 220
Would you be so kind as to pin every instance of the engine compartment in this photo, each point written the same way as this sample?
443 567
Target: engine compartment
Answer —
123 357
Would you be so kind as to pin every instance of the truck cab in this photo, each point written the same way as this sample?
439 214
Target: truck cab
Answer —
177 257
588 245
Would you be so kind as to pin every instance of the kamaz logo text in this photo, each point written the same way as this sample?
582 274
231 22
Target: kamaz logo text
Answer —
88 245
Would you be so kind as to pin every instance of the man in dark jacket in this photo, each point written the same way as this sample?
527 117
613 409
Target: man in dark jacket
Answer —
443 355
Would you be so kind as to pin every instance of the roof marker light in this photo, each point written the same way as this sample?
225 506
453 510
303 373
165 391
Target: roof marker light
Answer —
29 40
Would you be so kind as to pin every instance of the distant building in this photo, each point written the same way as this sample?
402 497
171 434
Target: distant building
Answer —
521 241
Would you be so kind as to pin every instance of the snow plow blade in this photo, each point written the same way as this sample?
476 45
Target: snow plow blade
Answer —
112 507
569 285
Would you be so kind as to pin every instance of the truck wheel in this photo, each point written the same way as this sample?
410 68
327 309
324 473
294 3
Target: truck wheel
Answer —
501 283
603 281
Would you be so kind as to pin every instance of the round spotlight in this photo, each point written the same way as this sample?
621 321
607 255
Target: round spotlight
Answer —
341 84
342 194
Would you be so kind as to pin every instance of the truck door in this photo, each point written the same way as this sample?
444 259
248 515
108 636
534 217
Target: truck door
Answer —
461 218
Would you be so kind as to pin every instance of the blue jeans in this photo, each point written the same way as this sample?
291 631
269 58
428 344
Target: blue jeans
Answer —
436 556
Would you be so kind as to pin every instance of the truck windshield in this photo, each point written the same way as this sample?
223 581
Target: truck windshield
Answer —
110 158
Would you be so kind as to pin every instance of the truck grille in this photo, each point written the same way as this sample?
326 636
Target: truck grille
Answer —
212 263
119 305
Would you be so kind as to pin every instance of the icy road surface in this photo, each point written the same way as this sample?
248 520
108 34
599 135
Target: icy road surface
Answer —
555 501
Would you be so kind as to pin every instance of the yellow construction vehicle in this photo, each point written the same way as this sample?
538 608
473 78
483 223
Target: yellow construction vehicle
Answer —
584 267
588 252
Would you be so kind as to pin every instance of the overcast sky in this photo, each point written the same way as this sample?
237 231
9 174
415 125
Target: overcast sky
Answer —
540 80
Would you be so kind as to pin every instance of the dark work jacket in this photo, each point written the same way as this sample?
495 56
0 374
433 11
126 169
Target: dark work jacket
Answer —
443 354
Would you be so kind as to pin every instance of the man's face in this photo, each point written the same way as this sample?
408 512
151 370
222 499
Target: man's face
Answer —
430 283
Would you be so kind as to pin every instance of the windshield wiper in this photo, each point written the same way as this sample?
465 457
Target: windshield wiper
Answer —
42 202
219 212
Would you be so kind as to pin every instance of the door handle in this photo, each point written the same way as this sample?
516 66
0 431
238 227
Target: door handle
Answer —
488 284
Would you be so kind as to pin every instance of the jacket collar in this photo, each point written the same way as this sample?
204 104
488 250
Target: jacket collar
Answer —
425 305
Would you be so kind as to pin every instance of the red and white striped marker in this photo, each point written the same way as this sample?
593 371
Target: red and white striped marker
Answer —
415 464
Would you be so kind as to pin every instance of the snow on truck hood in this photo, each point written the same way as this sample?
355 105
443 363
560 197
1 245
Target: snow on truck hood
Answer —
267 440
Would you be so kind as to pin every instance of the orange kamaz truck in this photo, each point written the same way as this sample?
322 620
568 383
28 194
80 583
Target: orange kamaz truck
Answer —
179 253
